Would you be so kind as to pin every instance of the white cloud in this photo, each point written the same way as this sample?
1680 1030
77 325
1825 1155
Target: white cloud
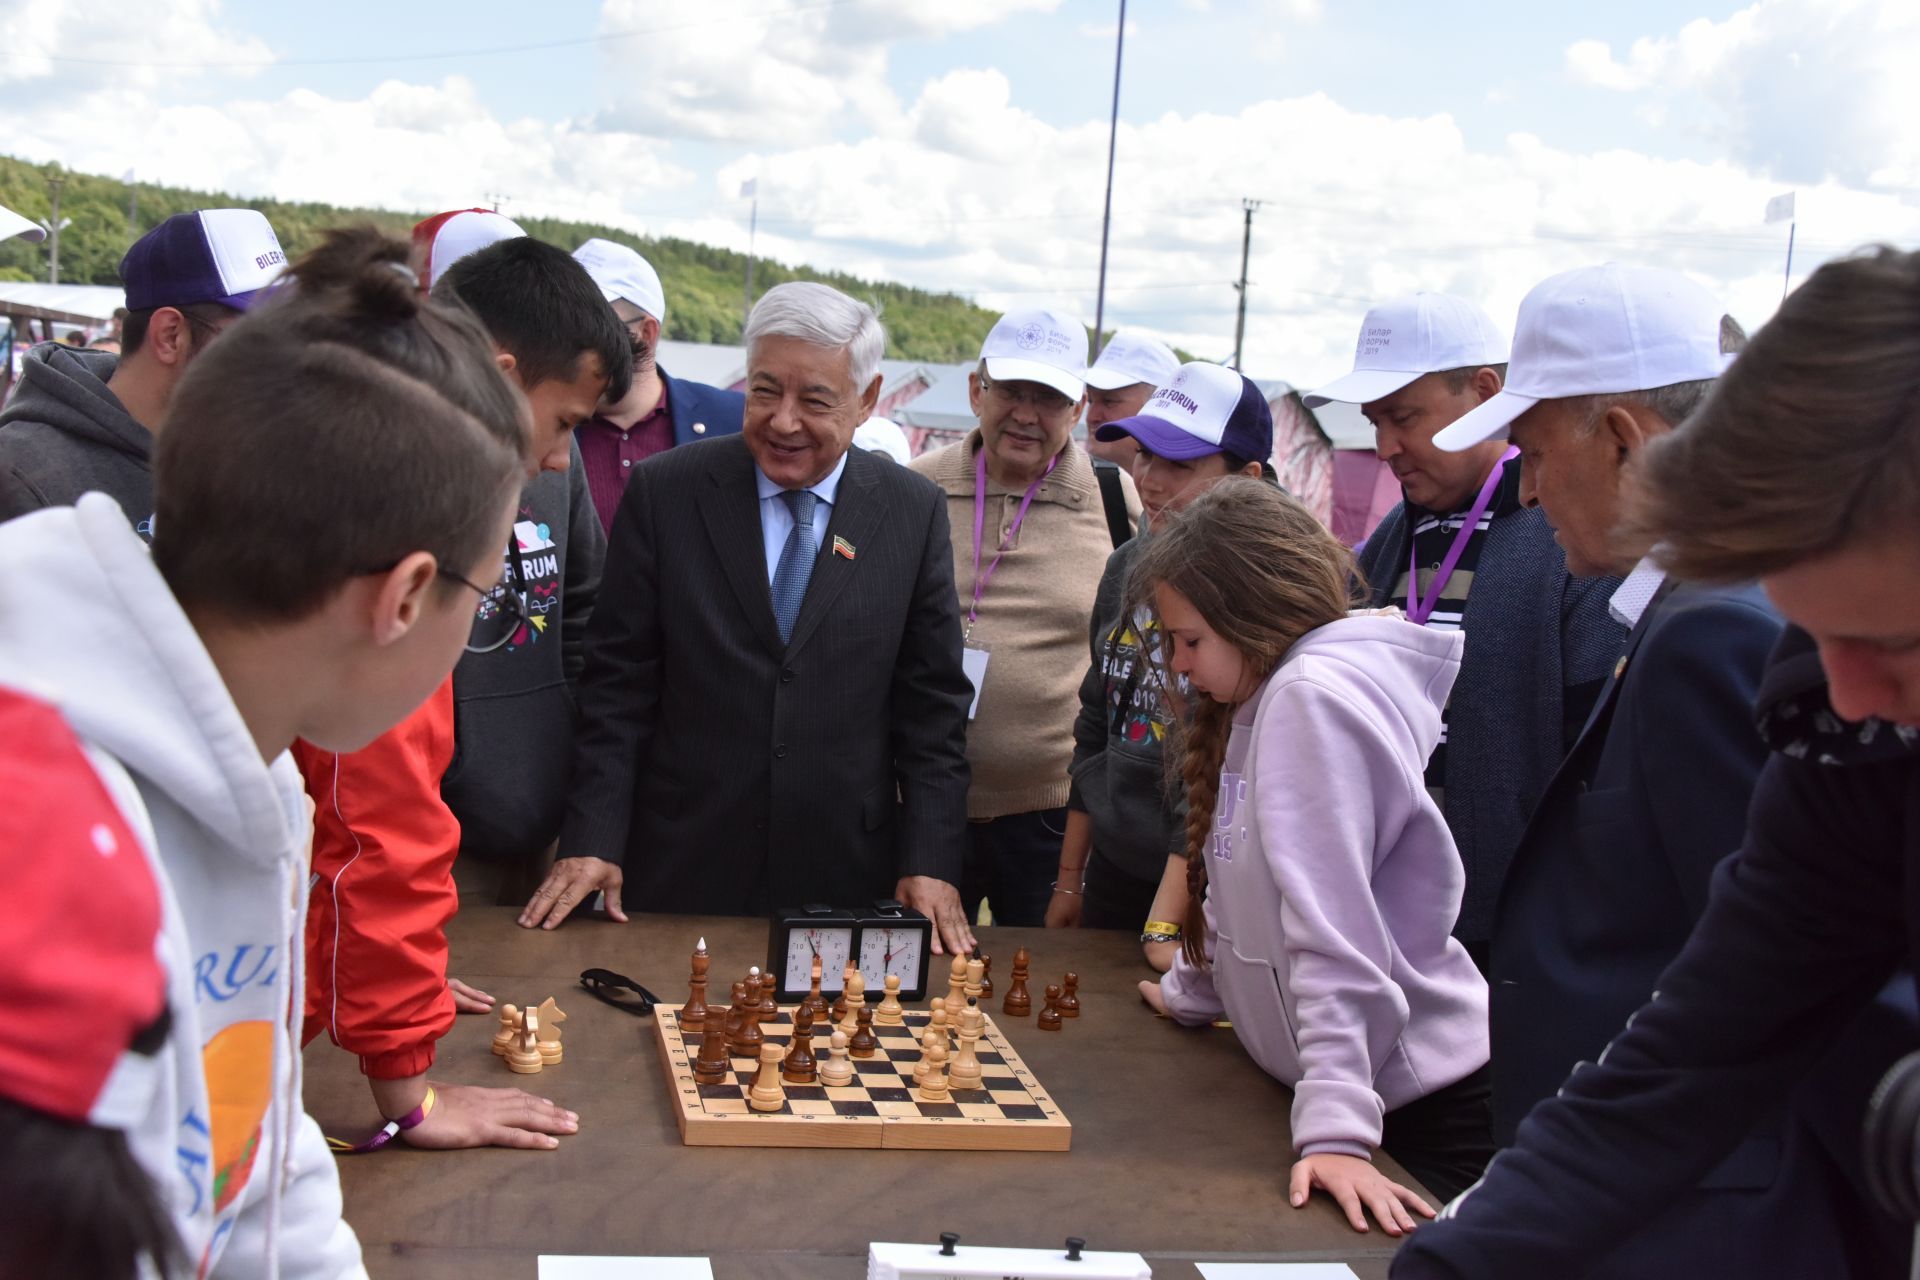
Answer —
977 195
404 146
1802 89
1104 31
747 74
86 44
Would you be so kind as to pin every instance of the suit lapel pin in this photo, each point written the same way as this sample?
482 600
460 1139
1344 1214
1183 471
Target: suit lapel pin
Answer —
841 547
1620 667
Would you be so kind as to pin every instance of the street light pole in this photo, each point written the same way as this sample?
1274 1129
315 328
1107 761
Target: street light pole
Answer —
1106 216
53 233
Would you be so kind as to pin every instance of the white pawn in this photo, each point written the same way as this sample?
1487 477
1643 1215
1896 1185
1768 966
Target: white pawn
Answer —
837 1071
928 1040
934 1087
889 1012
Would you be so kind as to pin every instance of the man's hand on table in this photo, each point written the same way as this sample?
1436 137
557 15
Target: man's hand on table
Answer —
571 882
939 902
468 999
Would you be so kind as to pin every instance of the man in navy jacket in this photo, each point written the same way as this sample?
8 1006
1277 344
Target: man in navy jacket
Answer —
659 412
1803 470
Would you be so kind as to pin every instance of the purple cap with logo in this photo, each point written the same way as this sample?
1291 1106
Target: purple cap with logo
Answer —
1204 409
228 256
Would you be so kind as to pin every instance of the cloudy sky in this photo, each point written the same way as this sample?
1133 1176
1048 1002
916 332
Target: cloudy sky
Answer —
961 144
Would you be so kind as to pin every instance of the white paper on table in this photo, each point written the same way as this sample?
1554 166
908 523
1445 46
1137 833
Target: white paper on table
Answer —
605 1267
1275 1271
924 1262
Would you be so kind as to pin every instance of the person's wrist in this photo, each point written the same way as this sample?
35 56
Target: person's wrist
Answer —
1160 931
398 1098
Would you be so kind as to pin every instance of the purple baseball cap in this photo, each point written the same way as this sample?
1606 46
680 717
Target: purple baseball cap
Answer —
1204 409
228 256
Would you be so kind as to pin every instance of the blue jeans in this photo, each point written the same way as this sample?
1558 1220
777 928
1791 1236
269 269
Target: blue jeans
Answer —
1010 863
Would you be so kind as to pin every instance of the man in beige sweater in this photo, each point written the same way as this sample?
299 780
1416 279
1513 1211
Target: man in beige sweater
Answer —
1030 539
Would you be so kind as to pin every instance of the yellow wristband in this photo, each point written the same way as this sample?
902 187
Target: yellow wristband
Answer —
1161 926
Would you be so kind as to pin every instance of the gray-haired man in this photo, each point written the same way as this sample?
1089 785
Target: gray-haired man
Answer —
774 705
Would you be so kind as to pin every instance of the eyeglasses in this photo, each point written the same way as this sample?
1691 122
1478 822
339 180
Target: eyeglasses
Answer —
604 984
1029 395
504 610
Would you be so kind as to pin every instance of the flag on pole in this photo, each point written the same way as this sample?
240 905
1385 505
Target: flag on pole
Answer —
749 188
1780 208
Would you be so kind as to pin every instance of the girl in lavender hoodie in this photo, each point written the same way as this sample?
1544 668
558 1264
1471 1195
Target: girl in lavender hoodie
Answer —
1330 881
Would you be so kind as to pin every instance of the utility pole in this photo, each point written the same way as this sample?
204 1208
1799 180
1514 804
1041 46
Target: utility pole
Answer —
1246 247
133 207
1106 216
496 200
53 233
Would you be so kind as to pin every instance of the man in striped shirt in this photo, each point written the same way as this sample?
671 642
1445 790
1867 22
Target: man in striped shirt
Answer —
1540 645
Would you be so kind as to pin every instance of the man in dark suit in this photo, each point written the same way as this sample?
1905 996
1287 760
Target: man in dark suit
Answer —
658 412
774 707
1612 873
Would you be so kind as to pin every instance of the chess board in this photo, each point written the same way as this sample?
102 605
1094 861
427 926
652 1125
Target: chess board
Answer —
1011 1112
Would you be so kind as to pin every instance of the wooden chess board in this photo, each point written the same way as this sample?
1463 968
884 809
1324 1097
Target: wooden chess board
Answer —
1011 1112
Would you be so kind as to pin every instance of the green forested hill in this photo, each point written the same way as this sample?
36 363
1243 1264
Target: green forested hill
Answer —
703 283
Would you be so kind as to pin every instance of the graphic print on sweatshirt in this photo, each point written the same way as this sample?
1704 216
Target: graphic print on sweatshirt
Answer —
1135 710
540 578
1229 831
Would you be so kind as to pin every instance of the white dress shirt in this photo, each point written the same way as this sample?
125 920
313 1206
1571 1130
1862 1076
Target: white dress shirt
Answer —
776 518
1631 598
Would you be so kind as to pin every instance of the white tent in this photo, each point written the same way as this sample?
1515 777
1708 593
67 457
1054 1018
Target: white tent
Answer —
942 406
65 303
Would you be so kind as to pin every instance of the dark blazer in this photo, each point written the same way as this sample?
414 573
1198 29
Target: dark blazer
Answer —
731 773
701 412
1782 990
1607 884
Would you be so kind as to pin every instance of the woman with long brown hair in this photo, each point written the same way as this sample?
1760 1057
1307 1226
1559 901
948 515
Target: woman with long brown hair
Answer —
1325 882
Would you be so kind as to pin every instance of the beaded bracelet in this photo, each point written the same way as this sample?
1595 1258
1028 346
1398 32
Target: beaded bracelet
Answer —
390 1130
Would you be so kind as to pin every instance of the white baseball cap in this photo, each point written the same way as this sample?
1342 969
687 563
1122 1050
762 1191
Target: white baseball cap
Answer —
883 435
453 235
622 273
1130 358
1599 331
1038 345
13 224
1408 338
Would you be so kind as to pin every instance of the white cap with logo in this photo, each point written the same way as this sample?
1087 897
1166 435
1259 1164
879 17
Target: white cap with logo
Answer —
1599 331
622 273
1408 338
12 224
1130 358
1035 344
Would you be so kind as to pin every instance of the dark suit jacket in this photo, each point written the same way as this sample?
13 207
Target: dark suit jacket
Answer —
701 412
1604 890
732 773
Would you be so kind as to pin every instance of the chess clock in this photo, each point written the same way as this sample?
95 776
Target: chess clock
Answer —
800 934
891 938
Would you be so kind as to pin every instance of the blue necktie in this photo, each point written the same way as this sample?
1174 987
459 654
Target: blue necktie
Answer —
796 560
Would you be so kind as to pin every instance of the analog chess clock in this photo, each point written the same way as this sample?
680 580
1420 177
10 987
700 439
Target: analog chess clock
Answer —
891 938
801 934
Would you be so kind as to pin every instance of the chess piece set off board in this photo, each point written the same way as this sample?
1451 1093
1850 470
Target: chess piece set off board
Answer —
754 1073
529 1038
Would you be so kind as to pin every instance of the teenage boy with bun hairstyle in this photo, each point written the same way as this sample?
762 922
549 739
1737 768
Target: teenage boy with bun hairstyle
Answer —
333 477
481 768
1802 470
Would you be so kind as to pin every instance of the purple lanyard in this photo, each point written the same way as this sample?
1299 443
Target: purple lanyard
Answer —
980 579
1418 610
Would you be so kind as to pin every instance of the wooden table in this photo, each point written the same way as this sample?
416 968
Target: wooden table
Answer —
1180 1144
